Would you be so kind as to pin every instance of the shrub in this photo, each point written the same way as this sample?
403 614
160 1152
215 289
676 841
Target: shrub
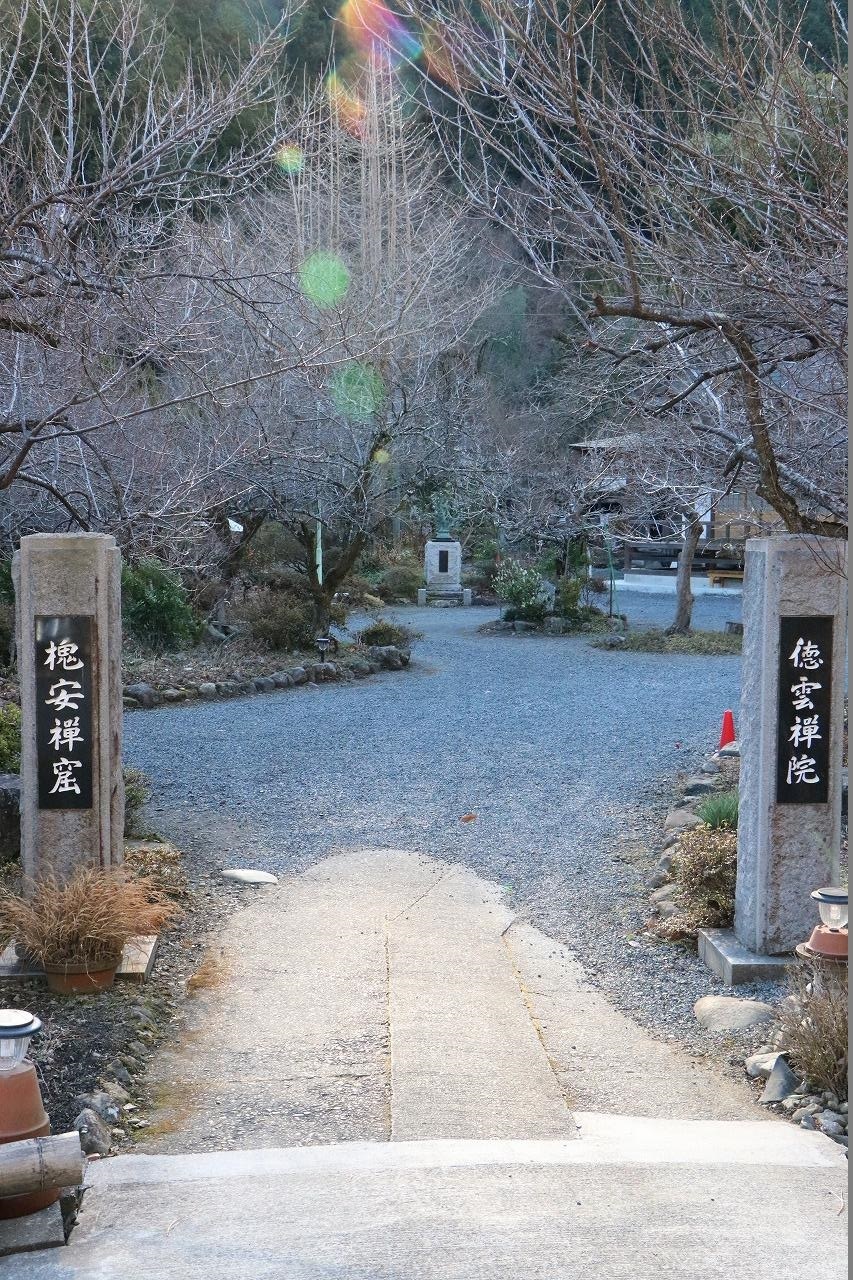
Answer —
814 1028
137 792
704 869
568 598
155 606
401 580
10 739
720 811
86 919
521 589
382 632
706 643
280 620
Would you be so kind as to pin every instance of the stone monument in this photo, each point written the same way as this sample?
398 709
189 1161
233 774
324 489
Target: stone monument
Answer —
68 590
443 562
791 719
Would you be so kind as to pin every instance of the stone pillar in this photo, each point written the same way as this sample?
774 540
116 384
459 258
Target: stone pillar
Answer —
443 566
789 827
68 589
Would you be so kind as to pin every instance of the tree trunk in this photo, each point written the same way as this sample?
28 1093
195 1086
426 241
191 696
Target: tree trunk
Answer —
684 596
322 593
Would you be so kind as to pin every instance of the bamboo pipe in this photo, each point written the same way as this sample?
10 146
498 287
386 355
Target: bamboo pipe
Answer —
39 1163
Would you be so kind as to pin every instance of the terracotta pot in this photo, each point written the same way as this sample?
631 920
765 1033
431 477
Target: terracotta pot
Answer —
82 978
22 1115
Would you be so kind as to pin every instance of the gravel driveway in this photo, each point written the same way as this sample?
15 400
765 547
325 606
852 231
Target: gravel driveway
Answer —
558 748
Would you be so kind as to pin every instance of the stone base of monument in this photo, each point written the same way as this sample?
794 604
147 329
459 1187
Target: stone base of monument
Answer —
137 961
734 963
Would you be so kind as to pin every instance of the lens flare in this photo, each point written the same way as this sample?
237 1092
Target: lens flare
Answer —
347 106
324 279
289 157
381 456
438 60
357 390
375 31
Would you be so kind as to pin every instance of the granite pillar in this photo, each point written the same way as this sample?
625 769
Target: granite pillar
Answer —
791 720
68 590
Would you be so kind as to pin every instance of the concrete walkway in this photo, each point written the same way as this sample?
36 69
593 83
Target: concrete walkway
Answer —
395 1078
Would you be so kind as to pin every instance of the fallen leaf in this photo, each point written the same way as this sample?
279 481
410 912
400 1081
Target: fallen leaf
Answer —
468 817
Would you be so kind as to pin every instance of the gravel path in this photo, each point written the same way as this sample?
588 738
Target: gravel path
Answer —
558 748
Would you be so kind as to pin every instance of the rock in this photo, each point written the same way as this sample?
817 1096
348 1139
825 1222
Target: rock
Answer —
282 680
709 767
360 669
831 1101
760 1065
729 1013
665 863
732 749
130 704
228 688
120 1073
207 689
831 1122
656 879
792 1105
117 1091
663 894
670 840
522 628
807 1122
781 1082
174 695
375 668
145 694
246 686
247 876
842 1107
667 909
680 820
99 1102
94 1134
264 684
298 675
699 787
612 642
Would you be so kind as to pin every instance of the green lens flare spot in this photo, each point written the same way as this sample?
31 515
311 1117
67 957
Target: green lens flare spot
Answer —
324 279
357 390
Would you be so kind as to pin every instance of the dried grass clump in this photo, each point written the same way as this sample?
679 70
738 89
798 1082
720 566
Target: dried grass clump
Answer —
86 919
704 870
814 1028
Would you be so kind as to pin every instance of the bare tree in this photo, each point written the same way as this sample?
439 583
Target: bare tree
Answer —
688 195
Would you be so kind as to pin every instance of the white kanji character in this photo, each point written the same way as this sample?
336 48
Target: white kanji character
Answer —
65 733
805 731
63 654
801 770
65 780
801 692
806 655
62 692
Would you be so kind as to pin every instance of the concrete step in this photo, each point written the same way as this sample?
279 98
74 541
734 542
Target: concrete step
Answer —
627 1200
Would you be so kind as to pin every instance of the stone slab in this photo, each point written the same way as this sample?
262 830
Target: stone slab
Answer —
629 1200
735 963
42 1230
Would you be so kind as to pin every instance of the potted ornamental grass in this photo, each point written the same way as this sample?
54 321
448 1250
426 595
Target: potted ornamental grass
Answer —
76 929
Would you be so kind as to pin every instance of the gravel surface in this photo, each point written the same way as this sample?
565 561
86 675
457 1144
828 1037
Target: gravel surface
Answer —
566 754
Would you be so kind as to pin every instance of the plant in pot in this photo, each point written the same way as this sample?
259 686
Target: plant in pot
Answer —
77 928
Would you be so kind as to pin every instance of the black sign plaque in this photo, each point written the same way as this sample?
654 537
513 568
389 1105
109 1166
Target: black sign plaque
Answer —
805 698
64 712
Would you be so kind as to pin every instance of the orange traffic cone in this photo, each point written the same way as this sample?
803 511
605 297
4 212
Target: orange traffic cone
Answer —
728 731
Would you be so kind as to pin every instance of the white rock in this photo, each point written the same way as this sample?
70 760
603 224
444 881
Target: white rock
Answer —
731 749
759 1065
249 877
728 1013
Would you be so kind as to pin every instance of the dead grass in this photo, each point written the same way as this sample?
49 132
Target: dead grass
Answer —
158 862
654 640
212 972
86 919
814 1028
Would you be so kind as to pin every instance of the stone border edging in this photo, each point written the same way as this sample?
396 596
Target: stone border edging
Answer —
142 696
